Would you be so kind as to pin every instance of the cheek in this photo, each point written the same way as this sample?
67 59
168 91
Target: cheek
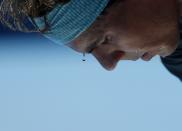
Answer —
135 29
128 43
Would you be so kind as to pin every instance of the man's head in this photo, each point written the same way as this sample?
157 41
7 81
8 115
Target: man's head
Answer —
126 30
131 29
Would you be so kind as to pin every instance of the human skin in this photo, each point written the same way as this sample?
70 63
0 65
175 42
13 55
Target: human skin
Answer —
132 29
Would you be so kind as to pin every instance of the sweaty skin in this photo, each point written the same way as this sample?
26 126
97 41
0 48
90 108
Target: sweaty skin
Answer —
132 29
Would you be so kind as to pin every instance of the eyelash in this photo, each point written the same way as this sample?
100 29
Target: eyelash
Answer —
108 38
106 41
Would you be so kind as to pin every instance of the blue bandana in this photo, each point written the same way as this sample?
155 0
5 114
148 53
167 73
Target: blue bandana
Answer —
68 21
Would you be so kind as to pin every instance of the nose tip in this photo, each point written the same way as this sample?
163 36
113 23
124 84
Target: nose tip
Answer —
110 61
109 66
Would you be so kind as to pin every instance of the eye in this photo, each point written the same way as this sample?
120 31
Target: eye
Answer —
108 39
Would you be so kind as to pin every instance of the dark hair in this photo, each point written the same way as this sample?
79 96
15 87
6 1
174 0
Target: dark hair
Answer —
13 13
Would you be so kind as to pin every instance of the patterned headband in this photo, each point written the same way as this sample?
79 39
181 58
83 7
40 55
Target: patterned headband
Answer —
68 21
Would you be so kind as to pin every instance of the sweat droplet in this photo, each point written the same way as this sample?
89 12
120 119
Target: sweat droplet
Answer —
83 57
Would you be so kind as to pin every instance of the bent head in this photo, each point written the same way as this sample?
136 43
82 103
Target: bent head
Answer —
129 30
125 30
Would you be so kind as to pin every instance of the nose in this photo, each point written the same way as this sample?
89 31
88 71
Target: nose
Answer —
108 60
